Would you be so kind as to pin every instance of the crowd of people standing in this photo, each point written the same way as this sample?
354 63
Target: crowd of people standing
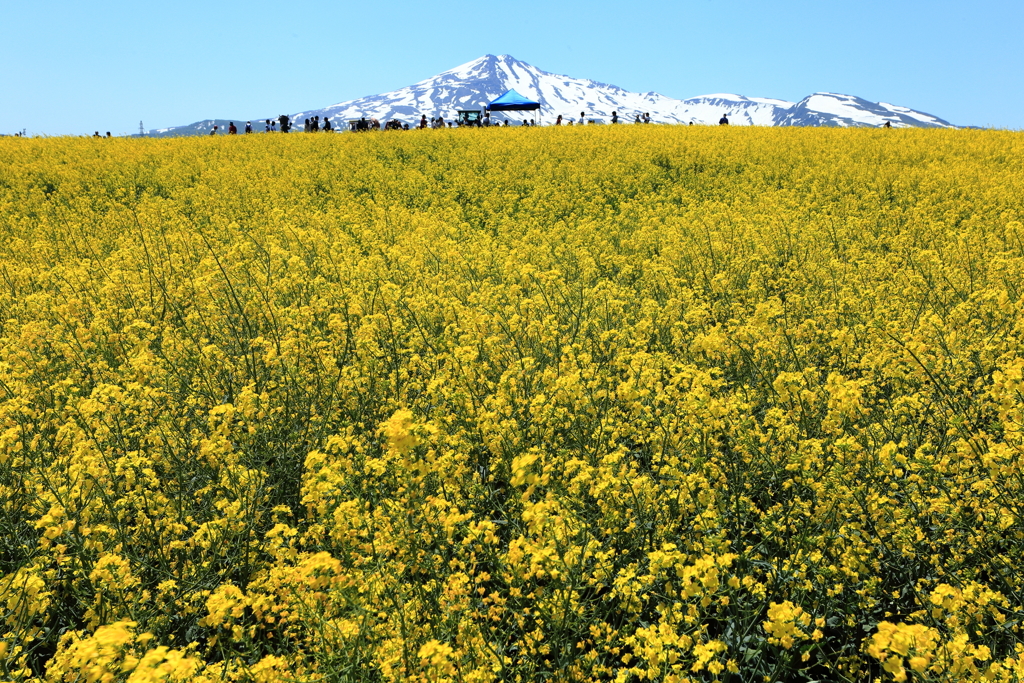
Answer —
315 124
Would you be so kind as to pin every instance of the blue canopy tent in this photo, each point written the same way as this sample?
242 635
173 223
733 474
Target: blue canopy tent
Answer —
512 101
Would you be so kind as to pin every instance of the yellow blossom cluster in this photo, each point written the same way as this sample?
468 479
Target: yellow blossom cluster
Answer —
612 403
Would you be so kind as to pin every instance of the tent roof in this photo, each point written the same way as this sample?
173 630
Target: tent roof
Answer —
513 101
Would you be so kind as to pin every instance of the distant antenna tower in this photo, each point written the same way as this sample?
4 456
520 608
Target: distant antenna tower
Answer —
142 131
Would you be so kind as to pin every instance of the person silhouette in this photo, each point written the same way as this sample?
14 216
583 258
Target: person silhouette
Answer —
724 121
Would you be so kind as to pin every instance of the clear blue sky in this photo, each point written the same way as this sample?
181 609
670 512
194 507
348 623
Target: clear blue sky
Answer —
75 67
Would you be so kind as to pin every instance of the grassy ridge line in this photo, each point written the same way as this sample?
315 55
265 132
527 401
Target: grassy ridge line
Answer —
585 404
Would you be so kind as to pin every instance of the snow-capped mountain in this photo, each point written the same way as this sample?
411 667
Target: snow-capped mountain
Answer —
829 109
474 84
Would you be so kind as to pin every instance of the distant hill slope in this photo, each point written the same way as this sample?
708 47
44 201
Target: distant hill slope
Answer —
475 83
203 128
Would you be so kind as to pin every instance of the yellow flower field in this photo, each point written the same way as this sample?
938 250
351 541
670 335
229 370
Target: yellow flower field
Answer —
632 403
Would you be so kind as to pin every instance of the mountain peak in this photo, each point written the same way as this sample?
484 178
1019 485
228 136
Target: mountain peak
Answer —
837 109
473 84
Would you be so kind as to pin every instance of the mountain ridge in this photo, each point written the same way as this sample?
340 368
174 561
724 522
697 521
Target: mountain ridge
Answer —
473 84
